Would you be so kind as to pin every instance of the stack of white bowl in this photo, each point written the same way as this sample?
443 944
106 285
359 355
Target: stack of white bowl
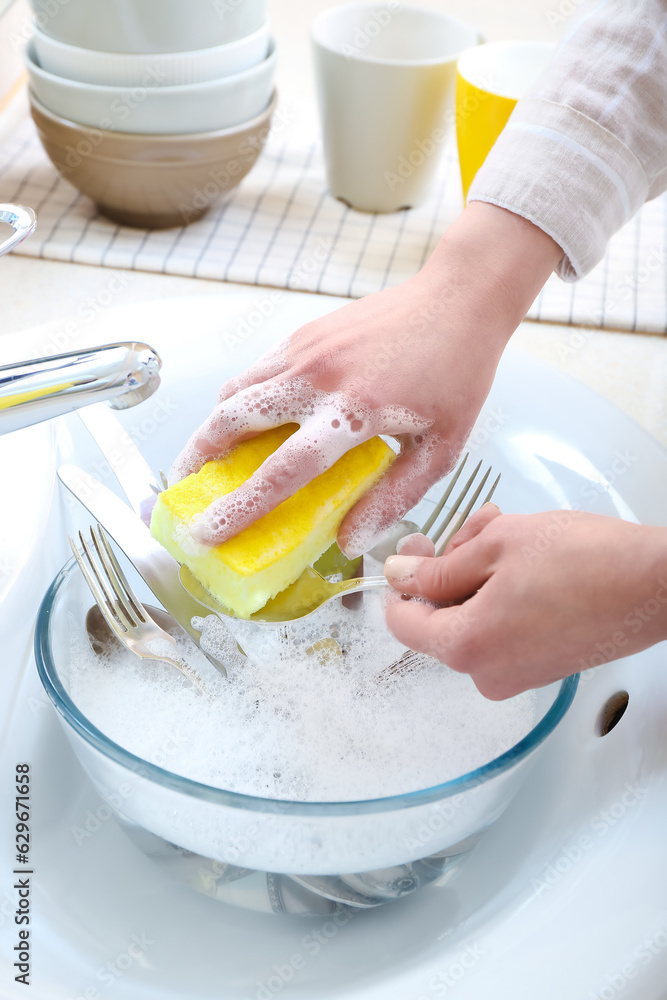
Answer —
169 77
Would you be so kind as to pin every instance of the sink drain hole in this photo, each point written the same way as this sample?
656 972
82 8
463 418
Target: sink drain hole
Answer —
611 713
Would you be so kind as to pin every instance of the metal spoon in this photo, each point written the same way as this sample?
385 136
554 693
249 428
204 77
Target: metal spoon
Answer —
300 599
102 639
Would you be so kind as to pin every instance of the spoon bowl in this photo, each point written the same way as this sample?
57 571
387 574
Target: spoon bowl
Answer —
302 598
103 641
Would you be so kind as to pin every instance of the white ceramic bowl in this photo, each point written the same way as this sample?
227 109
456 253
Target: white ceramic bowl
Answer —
193 107
146 26
166 69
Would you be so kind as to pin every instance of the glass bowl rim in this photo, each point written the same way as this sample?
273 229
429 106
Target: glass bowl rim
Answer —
77 721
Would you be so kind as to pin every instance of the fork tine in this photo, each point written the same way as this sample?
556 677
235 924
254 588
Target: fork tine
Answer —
113 605
121 608
101 599
451 513
464 514
436 513
491 491
401 665
102 583
106 585
115 573
117 577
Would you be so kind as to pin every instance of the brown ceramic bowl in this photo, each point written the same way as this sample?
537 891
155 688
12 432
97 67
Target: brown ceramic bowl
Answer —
151 181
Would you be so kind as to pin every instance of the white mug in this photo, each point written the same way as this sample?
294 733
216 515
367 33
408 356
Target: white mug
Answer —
386 75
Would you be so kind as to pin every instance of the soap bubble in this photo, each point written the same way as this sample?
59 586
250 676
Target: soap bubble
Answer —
316 712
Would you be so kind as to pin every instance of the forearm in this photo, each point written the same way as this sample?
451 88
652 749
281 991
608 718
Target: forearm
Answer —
492 263
645 621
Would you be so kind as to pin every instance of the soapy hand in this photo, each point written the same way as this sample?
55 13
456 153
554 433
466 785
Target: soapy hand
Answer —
414 362
533 598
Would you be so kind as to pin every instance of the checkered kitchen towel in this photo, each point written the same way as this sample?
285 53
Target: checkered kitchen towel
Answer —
282 228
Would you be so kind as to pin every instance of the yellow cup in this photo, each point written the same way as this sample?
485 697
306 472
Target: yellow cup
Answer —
490 80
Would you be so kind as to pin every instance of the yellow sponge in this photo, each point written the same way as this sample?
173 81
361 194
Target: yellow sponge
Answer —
246 571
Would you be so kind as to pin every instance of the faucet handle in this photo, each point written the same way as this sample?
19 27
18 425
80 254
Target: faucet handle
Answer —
22 220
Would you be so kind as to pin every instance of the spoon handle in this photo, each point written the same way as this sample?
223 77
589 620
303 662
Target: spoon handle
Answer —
357 584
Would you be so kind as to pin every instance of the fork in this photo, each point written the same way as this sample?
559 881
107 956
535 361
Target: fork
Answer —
410 659
387 547
122 610
435 533
311 591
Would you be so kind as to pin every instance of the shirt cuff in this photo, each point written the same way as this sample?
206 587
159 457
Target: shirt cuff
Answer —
568 175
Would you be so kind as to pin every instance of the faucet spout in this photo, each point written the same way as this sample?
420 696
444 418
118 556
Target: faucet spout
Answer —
32 391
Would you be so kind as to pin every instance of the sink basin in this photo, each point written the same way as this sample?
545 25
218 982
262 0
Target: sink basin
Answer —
28 463
565 898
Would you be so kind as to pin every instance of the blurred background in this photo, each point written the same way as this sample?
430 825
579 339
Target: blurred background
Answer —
542 20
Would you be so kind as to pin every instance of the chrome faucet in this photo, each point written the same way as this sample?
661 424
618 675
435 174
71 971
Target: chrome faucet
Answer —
22 220
31 391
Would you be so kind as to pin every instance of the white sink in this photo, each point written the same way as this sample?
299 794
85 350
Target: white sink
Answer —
28 464
562 901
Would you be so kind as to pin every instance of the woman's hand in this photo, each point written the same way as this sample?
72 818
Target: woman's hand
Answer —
534 597
415 362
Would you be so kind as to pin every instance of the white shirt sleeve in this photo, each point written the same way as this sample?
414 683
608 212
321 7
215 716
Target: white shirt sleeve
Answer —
588 146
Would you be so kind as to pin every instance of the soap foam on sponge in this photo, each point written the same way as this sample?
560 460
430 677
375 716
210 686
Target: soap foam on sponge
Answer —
246 571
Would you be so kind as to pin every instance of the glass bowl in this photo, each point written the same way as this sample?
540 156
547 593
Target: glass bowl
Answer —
272 854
